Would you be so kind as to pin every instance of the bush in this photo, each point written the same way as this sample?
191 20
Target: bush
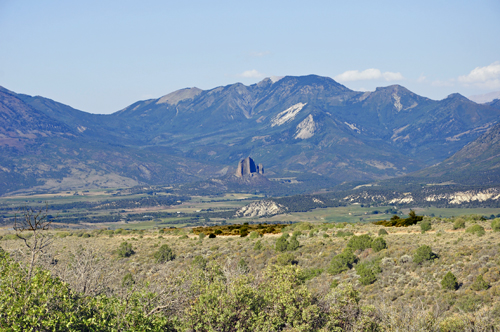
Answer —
425 226
212 236
285 259
281 244
48 304
382 232
243 266
128 280
495 225
344 234
257 246
449 281
379 244
361 242
201 236
459 223
342 262
366 274
164 254
254 235
479 284
125 250
423 253
200 262
476 229
293 244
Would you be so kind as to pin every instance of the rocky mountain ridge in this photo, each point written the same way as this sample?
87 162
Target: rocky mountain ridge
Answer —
297 126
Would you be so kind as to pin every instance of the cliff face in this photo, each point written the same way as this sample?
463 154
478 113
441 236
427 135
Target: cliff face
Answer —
247 167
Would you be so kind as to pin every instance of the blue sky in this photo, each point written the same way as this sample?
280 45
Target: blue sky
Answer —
101 56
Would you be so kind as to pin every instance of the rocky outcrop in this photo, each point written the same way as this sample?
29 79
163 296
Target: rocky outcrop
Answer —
263 208
247 167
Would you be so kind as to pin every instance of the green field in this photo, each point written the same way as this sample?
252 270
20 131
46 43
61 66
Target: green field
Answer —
198 208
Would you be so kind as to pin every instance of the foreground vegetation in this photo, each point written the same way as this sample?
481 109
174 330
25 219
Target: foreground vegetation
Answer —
443 276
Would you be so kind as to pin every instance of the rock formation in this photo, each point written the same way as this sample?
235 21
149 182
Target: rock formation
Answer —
247 167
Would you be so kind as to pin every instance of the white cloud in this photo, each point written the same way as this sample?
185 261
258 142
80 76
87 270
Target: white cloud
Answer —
487 77
251 74
368 74
440 83
259 54
421 79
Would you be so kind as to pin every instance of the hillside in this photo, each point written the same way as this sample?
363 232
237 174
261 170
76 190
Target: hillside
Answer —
302 128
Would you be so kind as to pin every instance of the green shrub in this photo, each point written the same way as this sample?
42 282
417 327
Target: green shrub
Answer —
201 236
48 304
243 266
217 232
361 242
164 254
495 225
382 232
257 246
281 244
243 232
449 281
293 244
459 223
10 237
304 226
254 235
296 233
423 253
366 274
396 221
344 234
379 244
184 237
326 235
284 259
425 226
125 250
479 284
476 229
308 274
128 280
470 302
199 262
342 262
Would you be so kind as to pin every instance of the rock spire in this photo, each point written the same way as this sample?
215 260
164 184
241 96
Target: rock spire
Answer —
247 167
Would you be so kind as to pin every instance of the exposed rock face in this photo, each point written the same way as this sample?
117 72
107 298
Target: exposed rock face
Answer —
261 209
247 167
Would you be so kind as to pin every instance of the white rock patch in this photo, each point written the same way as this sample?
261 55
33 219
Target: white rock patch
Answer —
306 128
466 196
353 127
287 115
397 102
261 209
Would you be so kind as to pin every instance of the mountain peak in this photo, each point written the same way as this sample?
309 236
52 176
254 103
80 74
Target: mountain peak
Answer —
457 96
177 96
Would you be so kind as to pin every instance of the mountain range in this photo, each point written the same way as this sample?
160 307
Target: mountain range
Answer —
298 127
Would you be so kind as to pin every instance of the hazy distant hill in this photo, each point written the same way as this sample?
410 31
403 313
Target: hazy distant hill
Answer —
295 126
478 163
55 149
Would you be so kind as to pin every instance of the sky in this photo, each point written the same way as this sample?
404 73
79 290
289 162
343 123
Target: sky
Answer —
101 56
